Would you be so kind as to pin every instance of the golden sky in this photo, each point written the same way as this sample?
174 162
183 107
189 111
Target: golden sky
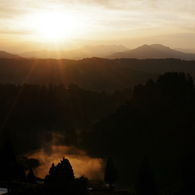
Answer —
26 25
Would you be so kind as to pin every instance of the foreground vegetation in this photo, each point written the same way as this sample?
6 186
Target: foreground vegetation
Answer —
150 137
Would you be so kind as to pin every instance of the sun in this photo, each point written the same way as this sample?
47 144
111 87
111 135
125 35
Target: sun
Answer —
54 26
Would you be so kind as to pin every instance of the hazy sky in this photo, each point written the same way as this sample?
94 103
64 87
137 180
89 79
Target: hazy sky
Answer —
29 25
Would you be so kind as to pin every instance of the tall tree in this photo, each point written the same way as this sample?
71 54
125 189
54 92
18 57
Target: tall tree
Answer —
188 176
63 172
146 180
31 177
7 161
7 153
111 173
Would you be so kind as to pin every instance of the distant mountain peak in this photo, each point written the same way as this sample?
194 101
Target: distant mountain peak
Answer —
160 47
143 48
154 51
4 54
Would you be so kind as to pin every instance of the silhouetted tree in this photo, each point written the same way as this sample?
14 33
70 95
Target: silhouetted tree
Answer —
31 177
146 180
7 162
73 86
188 177
61 173
20 173
82 183
111 173
61 180
7 154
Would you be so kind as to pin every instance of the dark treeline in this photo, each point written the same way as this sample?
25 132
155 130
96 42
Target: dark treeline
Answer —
31 111
94 73
158 122
91 73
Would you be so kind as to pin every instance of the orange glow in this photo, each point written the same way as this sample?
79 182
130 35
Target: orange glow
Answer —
81 163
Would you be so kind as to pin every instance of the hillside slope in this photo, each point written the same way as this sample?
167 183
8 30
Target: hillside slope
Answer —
158 122
4 54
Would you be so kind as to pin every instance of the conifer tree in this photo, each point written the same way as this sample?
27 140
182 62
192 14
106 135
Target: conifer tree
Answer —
7 161
8 156
188 177
146 180
63 172
31 177
111 173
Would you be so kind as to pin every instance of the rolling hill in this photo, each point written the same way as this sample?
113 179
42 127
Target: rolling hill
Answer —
4 54
158 122
91 73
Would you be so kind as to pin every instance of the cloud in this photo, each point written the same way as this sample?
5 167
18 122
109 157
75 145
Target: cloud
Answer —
104 19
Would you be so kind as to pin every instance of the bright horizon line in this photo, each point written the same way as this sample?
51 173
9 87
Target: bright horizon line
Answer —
9 49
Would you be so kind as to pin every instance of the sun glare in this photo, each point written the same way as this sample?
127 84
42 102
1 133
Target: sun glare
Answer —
53 26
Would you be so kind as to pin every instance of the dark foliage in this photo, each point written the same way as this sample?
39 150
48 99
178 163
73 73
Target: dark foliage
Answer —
7 153
90 73
83 181
146 180
10 170
158 121
31 177
19 188
34 112
110 174
61 173
187 176
20 172
61 180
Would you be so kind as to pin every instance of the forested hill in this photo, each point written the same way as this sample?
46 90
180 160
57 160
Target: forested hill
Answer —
29 112
92 73
158 122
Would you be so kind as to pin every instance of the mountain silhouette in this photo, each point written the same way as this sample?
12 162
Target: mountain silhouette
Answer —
4 54
84 52
154 51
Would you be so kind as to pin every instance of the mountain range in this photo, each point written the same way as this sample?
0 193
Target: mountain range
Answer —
84 52
154 51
